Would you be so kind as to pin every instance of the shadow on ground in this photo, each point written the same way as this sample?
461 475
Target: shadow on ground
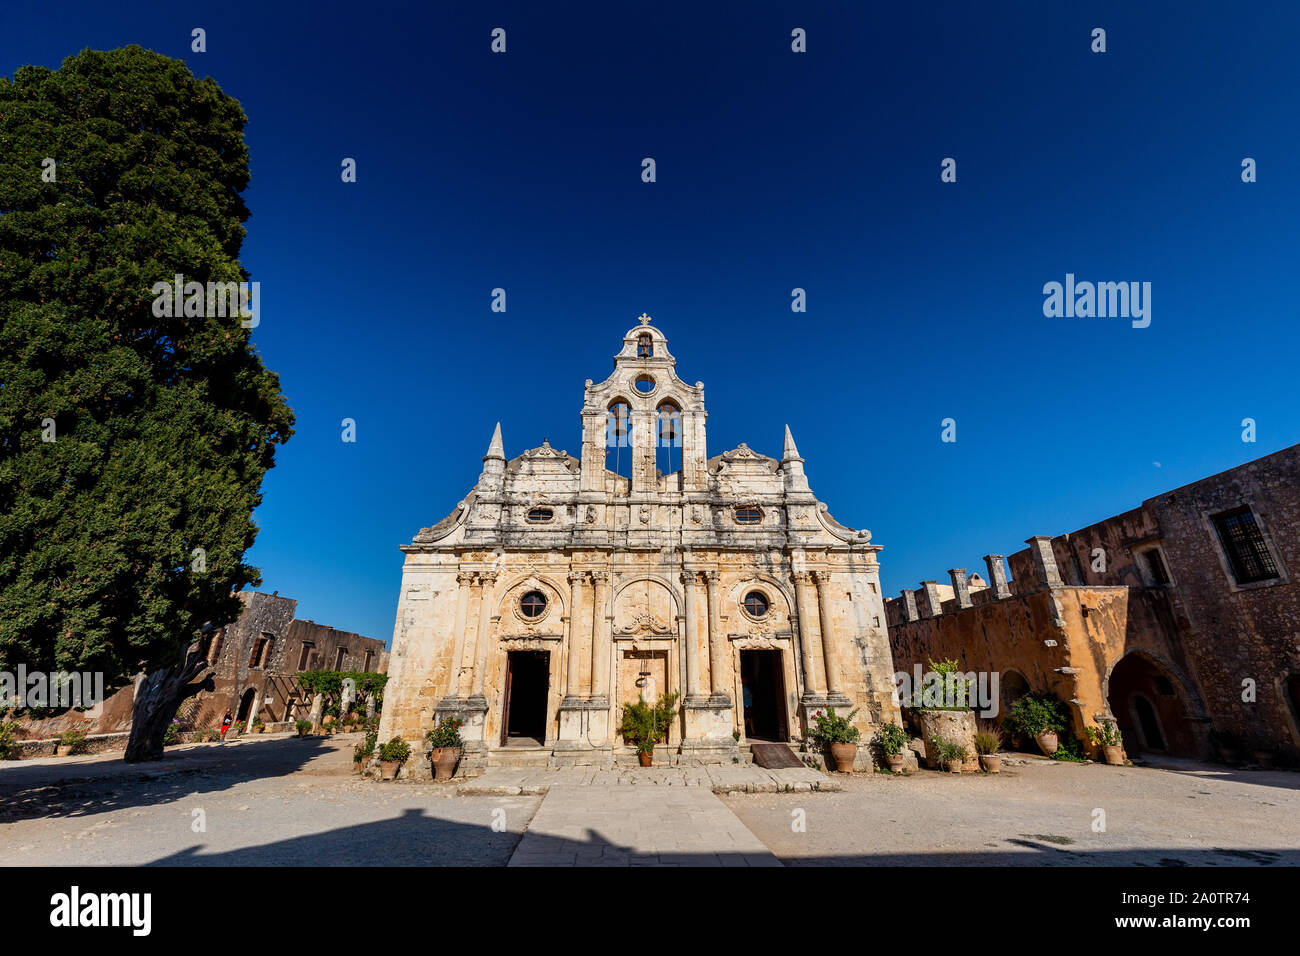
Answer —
37 790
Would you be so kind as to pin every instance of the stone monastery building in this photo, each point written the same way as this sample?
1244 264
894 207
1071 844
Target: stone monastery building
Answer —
558 590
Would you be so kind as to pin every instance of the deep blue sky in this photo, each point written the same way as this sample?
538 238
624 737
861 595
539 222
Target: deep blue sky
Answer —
775 170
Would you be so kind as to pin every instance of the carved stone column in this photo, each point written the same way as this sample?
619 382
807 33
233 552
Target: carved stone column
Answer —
486 580
600 636
464 581
689 583
829 657
719 671
804 598
573 684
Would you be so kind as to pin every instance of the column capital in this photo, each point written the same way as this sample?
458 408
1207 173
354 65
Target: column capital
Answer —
465 577
801 577
713 576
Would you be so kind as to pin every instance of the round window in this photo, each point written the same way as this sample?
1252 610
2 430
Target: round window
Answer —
533 604
756 604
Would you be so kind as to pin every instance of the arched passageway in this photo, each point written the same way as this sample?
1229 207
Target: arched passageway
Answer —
1150 707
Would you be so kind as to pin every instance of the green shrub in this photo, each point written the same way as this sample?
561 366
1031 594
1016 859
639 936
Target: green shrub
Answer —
205 735
73 738
172 734
396 749
1034 714
8 739
303 727
1069 749
830 728
447 733
1105 734
645 724
946 750
891 739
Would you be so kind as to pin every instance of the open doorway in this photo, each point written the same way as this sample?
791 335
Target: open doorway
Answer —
528 682
246 704
763 689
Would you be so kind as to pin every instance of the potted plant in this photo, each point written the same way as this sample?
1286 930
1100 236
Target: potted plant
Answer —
446 747
362 752
69 742
1040 718
259 726
391 757
1106 735
303 727
988 741
891 739
950 755
645 724
837 734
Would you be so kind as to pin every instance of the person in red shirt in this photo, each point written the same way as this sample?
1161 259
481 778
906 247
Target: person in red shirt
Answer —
226 721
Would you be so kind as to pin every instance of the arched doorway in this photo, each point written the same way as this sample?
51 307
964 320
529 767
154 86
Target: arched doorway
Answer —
246 704
1011 687
1150 707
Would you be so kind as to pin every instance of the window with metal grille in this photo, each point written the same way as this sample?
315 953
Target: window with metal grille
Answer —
541 514
755 604
533 604
748 516
1243 543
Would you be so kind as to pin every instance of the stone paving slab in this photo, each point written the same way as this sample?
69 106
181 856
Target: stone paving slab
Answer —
514 781
641 825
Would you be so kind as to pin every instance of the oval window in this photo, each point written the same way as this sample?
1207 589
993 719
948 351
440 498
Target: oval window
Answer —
533 604
645 384
756 604
748 516
541 514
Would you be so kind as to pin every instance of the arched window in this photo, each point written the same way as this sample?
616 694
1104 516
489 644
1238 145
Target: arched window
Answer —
645 346
668 421
540 515
618 424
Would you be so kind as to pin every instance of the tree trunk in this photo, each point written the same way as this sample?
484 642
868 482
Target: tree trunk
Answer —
317 708
156 700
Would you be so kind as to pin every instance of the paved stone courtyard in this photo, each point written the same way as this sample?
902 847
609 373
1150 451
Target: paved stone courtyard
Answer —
287 802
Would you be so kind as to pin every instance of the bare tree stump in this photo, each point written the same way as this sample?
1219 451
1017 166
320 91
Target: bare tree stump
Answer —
156 700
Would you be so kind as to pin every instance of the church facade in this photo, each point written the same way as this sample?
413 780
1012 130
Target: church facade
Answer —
560 589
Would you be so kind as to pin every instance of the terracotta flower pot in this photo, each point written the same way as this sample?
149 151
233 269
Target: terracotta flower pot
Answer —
63 750
895 762
954 766
992 763
1048 742
645 759
844 755
444 761
358 764
1113 754
388 769
259 729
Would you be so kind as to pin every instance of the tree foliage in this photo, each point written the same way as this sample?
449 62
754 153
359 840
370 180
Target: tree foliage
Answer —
164 427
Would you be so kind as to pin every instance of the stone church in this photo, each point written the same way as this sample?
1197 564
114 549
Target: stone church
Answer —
561 588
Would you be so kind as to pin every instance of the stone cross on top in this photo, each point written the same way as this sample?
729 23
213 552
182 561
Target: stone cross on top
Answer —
643 319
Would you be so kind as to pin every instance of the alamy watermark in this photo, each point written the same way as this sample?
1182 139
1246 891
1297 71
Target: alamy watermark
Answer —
212 300
1104 300
948 690
60 689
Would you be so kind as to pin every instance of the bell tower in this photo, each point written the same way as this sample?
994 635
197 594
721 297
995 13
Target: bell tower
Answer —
641 408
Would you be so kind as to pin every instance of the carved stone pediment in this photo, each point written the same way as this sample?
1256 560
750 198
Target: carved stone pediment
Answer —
644 623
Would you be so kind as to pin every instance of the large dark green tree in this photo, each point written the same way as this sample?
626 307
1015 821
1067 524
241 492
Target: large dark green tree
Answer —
125 534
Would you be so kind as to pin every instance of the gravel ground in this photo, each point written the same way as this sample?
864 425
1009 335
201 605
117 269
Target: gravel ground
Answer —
1039 813
260 801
